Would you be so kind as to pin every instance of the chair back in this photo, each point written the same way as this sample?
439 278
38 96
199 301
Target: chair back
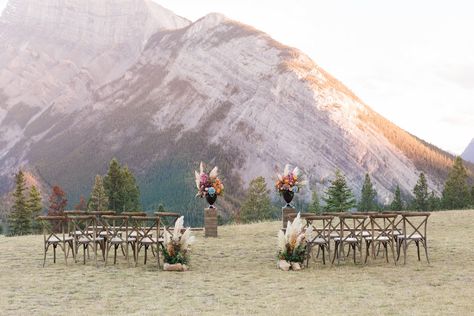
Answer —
382 225
167 219
145 227
54 227
129 214
116 227
83 228
322 227
415 223
351 226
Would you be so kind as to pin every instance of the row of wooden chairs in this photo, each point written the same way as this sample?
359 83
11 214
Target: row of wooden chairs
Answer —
393 231
105 231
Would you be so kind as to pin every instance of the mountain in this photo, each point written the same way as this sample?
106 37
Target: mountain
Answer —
468 153
84 81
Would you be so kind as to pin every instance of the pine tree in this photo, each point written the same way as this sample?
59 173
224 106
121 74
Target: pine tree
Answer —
35 206
434 202
131 192
99 200
20 217
472 196
257 205
57 202
161 208
456 192
113 184
82 205
420 203
315 205
397 203
368 196
339 197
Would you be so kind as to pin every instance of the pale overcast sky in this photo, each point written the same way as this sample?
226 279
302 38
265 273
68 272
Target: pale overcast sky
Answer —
412 61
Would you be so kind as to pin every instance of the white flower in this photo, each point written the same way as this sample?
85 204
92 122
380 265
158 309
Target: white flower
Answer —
177 228
287 170
213 173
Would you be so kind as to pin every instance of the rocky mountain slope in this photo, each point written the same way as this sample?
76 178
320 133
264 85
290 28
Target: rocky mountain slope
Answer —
84 81
468 153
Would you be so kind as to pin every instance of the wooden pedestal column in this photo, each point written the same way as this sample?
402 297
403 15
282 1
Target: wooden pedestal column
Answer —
210 222
285 211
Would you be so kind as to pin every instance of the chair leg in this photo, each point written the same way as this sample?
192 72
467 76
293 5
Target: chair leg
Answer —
393 252
54 253
324 257
425 245
146 250
385 245
405 251
367 245
107 248
45 250
417 243
115 253
126 254
85 249
336 245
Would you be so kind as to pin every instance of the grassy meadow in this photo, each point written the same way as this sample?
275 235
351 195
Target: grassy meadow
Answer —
236 274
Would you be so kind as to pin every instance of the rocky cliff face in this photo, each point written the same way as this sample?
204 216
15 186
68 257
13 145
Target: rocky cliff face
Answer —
136 82
468 153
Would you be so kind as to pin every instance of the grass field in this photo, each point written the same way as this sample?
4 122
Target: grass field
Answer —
236 274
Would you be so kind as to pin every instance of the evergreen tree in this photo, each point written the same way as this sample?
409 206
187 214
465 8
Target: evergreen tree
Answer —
472 196
161 208
35 206
257 205
368 196
99 200
314 206
131 192
434 202
57 202
113 183
397 203
82 205
339 197
20 217
456 192
420 203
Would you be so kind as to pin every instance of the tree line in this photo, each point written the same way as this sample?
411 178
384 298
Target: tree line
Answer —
339 197
116 191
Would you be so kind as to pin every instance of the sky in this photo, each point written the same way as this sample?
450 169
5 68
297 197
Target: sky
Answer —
411 61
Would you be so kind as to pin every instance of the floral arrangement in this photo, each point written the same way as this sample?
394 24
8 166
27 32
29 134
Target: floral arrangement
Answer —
208 183
292 244
176 246
290 180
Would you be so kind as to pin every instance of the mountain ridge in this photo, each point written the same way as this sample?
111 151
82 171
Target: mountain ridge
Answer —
468 153
214 90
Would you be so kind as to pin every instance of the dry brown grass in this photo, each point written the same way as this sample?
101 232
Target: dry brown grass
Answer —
236 274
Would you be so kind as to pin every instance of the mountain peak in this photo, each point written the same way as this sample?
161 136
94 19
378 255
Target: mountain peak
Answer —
105 22
468 153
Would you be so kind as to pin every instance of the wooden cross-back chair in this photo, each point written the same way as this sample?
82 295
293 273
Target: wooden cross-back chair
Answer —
117 231
415 226
84 233
167 220
146 230
382 227
100 229
55 234
321 236
350 230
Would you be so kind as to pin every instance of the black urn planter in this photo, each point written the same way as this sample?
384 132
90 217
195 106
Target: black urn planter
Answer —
288 197
211 199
